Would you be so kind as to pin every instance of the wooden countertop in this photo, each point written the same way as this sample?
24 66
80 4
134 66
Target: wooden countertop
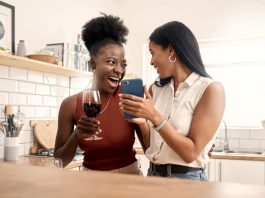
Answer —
231 156
33 181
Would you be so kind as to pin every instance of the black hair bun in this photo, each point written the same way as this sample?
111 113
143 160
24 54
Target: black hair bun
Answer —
104 27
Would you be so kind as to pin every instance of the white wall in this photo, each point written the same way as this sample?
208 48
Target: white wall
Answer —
207 19
53 21
40 22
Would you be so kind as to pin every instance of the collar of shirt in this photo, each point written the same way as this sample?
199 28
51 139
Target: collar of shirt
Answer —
188 82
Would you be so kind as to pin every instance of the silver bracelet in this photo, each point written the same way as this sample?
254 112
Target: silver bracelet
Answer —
157 128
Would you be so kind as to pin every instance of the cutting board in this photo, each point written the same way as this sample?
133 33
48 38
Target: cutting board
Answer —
45 132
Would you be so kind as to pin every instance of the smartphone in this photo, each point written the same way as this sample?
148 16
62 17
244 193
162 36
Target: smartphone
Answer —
134 87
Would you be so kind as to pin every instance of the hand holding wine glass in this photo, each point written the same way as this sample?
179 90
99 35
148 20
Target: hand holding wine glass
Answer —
91 105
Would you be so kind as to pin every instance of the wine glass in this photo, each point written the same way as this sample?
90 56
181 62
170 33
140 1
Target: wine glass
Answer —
91 105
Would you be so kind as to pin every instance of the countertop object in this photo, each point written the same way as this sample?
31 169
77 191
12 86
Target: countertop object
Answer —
45 132
31 181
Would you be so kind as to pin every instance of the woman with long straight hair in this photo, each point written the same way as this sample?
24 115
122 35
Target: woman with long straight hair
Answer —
181 114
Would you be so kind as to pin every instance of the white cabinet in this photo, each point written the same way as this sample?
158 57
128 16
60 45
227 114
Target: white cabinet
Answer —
210 170
241 171
144 163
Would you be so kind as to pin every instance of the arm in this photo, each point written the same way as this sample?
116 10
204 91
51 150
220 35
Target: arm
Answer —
66 139
144 139
206 119
144 128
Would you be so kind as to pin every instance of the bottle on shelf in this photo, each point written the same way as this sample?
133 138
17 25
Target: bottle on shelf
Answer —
21 49
66 55
77 50
84 59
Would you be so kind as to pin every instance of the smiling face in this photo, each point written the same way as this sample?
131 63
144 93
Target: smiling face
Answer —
160 60
110 66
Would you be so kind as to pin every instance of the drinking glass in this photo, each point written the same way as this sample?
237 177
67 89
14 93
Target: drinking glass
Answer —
91 105
51 162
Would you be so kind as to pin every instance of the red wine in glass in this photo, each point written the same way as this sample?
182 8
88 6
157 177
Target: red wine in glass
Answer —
91 105
91 109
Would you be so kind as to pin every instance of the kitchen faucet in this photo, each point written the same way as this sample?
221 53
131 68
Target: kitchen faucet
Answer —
226 141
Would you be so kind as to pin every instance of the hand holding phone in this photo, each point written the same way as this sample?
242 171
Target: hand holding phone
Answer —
133 87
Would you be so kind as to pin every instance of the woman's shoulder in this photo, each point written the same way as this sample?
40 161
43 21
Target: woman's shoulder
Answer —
215 90
215 86
71 100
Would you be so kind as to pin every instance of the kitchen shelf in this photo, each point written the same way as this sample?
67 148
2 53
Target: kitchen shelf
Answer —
30 64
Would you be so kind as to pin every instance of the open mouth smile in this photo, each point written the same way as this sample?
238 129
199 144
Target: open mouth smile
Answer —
113 81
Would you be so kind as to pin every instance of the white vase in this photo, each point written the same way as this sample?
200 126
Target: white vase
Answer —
21 49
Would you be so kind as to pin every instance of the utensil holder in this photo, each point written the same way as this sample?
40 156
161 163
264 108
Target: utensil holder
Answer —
11 148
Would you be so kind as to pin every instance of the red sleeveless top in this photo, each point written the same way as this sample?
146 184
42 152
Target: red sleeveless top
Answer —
115 150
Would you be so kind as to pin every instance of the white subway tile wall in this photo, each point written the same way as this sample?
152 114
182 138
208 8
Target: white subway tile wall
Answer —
78 84
43 89
239 134
34 76
262 145
18 74
243 139
39 96
4 71
54 90
8 85
50 79
16 99
4 97
25 87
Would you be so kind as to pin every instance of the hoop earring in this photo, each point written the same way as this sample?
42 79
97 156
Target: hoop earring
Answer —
172 61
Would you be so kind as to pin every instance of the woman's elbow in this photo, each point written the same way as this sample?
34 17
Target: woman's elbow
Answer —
189 158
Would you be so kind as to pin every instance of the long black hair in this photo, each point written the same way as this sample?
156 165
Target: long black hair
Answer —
103 30
184 44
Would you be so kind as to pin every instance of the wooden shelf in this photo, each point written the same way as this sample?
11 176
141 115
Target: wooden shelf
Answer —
26 63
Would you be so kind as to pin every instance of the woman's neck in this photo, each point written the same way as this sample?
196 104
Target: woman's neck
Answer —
180 75
103 95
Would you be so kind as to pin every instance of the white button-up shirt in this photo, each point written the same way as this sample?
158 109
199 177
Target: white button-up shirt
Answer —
178 110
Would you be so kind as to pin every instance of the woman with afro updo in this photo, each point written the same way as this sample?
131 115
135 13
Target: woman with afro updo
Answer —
104 38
